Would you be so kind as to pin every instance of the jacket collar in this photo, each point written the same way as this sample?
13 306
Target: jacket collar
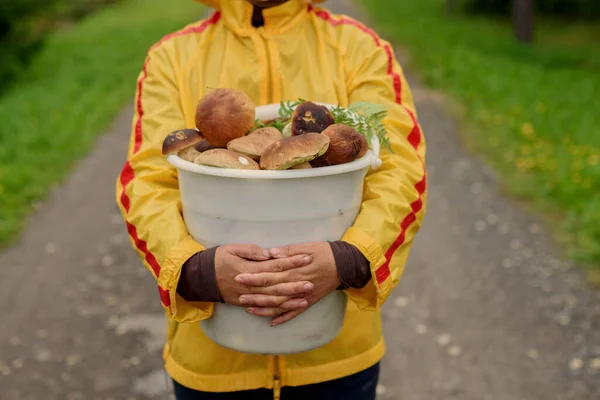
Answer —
237 15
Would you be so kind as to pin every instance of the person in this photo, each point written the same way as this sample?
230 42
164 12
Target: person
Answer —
274 50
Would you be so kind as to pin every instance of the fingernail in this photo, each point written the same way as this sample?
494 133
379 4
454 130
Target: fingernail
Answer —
306 259
250 310
308 286
303 303
266 253
275 252
244 300
239 279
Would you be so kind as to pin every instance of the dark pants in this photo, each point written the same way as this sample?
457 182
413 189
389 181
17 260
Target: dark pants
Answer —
360 386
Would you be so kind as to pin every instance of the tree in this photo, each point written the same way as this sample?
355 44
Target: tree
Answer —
523 20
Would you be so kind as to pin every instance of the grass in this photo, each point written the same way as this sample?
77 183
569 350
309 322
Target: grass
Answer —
532 110
71 94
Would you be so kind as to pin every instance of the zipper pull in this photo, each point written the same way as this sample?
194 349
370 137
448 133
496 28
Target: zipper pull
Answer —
276 389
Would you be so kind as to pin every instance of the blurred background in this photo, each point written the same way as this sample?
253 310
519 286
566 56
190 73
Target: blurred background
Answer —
501 296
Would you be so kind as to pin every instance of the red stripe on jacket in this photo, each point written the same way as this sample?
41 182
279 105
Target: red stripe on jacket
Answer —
414 138
128 174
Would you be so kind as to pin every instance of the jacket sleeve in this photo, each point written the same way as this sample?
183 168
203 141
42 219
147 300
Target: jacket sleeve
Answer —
148 191
394 195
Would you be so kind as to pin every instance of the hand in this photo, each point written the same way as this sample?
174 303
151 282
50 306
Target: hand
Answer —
321 271
232 260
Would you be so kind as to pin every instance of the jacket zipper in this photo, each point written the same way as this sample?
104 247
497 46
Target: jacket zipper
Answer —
269 72
277 378
276 359
269 66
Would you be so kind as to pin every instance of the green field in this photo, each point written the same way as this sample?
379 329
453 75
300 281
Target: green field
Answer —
534 111
71 94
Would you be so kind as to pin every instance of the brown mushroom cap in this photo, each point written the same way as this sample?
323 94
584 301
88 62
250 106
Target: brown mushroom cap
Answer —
254 144
223 158
179 140
364 147
203 145
224 115
311 117
295 150
345 146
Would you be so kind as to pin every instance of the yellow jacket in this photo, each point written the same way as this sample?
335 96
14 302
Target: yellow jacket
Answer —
301 52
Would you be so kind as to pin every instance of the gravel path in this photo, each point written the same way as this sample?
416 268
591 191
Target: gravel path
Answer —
487 309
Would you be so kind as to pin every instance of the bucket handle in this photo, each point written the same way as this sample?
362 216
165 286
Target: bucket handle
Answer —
376 149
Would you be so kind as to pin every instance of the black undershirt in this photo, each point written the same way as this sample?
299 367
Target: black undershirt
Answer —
257 17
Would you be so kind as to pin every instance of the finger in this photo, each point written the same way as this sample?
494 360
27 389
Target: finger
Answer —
251 252
284 289
281 264
266 312
292 250
262 300
263 279
294 304
286 317
281 302
282 252
291 305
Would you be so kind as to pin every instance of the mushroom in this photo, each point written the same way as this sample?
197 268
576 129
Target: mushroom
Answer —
179 140
304 165
254 144
311 117
295 150
224 115
223 158
203 145
189 153
346 145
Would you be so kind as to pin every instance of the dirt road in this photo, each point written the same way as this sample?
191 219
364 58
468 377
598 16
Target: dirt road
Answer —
486 309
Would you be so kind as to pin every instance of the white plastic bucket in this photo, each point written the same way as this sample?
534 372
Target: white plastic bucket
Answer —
271 209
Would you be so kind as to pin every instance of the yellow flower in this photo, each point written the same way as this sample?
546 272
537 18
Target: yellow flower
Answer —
527 130
573 150
525 150
593 160
525 163
577 164
541 158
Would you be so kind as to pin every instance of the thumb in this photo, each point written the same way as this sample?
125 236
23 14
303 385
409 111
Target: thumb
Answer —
283 252
251 252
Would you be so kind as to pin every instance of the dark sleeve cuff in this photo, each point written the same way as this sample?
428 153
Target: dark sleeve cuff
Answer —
352 266
198 281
